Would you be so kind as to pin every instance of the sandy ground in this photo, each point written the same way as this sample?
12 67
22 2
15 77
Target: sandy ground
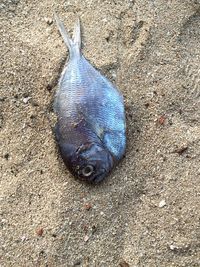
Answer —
147 212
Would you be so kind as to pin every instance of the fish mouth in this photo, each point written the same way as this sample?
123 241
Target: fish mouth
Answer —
98 178
104 171
102 162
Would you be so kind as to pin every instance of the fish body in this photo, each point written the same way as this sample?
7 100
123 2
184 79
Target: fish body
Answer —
90 128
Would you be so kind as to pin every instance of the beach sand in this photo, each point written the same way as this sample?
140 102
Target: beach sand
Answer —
147 212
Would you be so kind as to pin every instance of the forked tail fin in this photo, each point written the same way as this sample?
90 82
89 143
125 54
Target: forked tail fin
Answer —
74 45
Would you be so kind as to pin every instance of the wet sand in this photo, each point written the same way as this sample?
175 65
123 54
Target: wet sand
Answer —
147 212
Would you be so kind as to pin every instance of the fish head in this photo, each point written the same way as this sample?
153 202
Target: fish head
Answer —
93 162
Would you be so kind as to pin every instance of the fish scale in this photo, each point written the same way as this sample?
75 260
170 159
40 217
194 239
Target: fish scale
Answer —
91 126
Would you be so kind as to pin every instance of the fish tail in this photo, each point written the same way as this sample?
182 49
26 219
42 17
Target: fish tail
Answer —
77 34
74 45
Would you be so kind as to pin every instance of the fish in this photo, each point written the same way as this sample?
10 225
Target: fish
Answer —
91 127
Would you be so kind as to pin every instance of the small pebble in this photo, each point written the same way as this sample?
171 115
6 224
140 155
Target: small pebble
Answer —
26 99
172 247
6 156
85 228
86 238
162 204
161 120
77 262
123 263
49 21
181 150
23 238
87 206
39 231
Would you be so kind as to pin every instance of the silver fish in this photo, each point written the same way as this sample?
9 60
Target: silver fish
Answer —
90 128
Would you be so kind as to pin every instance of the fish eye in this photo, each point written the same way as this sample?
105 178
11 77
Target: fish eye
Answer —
87 170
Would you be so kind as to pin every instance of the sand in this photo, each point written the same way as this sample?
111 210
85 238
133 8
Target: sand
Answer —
147 212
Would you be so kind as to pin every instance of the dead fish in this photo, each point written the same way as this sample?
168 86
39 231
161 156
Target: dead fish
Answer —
90 128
